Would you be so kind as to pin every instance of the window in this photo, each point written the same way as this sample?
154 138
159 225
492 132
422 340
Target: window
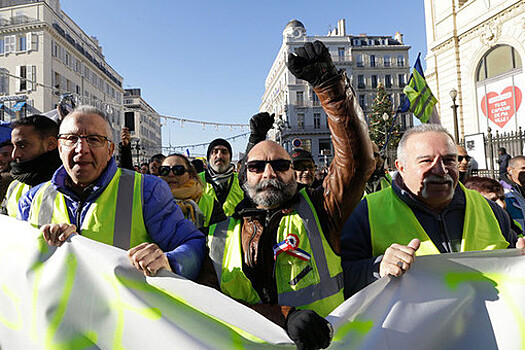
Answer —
361 81
325 146
400 60
22 43
372 60
374 81
499 60
56 80
359 60
317 120
388 81
4 81
362 101
2 45
300 120
401 78
341 53
22 83
67 59
386 60
54 50
10 43
300 98
315 99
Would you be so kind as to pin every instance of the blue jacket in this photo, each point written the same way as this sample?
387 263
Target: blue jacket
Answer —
444 229
182 243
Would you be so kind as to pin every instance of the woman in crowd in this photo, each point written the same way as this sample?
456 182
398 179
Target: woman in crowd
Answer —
202 209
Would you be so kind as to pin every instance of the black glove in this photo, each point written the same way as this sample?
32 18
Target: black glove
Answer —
308 330
312 63
261 123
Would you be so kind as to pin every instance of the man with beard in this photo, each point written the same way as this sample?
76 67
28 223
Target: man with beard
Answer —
6 149
380 178
425 212
513 182
35 157
279 252
220 179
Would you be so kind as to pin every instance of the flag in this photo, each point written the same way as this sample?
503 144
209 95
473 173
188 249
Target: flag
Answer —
187 152
418 98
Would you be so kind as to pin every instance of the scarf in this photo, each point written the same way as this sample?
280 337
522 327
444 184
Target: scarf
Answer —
187 196
222 178
38 170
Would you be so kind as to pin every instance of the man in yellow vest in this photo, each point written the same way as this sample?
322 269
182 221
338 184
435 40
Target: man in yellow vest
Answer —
279 253
425 211
220 179
35 157
90 196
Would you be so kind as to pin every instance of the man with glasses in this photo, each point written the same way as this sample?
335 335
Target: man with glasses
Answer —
35 157
304 167
463 163
90 196
279 253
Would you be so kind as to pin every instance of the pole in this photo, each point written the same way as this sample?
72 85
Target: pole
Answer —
455 110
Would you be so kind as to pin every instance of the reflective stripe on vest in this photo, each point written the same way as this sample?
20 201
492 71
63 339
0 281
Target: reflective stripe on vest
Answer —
392 221
316 285
206 206
235 195
15 191
119 203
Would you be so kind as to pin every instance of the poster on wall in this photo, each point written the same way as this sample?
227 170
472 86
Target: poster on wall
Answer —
499 104
475 146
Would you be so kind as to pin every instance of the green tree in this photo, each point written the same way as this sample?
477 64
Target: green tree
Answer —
382 118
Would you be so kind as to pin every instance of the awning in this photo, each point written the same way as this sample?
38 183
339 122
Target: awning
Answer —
19 105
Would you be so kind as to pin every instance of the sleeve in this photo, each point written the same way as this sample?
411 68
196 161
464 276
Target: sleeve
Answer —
182 243
504 224
24 203
360 268
126 160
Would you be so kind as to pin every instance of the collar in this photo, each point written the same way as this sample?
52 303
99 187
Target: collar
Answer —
60 181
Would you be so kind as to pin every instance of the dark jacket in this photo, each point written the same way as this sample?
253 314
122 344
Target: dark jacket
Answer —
444 229
333 201
503 162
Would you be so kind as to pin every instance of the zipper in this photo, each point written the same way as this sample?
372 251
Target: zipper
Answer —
78 215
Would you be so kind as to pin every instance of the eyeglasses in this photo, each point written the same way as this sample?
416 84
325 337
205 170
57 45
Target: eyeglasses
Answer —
95 141
176 169
460 158
258 166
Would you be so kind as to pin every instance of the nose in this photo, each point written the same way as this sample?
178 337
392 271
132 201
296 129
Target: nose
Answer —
439 167
81 145
16 153
269 173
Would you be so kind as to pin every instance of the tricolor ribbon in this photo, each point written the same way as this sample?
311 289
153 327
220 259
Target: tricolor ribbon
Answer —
289 246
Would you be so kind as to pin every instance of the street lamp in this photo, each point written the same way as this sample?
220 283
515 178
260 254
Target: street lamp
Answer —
385 118
453 94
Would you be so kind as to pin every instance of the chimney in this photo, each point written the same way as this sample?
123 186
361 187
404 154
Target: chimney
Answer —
399 37
341 27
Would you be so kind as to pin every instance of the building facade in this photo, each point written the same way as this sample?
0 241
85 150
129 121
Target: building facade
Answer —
476 47
43 54
144 124
368 62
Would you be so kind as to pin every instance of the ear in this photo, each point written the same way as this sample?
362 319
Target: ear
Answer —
50 143
399 166
111 149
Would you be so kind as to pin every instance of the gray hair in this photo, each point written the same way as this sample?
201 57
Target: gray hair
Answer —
420 129
88 109
514 160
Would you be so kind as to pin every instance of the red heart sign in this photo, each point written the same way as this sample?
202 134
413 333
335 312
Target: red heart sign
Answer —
500 107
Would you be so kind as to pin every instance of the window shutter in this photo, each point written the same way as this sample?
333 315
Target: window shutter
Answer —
18 81
29 41
29 76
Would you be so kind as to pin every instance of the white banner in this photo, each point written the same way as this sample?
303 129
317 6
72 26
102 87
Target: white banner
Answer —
86 295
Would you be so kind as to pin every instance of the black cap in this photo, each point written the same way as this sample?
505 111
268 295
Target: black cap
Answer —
299 154
218 142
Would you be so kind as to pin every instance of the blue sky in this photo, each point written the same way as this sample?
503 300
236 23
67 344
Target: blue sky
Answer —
207 60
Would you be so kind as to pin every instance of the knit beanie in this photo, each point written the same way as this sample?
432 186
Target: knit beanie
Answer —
219 142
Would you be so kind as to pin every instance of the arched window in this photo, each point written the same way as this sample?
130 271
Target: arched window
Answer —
499 60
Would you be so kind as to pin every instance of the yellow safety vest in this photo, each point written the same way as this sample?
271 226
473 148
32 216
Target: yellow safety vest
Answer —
392 221
206 206
235 195
316 284
115 218
15 191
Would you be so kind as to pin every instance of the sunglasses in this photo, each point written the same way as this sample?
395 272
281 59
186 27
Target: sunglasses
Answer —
176 169
460 158
304 167
258 166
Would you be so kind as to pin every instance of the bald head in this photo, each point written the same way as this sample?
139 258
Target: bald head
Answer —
268 150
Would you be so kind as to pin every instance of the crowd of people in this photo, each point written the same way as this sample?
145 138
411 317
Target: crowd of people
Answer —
286 239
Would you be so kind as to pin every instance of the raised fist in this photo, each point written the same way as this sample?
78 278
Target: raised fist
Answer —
312 63
261 123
